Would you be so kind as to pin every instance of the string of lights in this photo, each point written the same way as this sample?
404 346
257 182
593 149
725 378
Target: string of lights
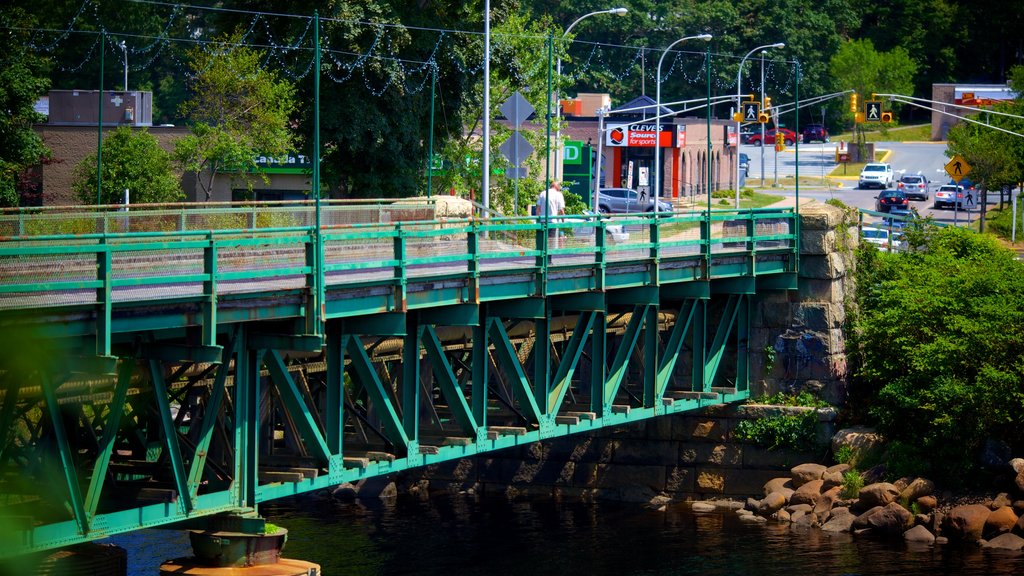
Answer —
293 56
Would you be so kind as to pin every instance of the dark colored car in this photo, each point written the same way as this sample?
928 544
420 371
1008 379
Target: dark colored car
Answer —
787 136
815 133
627 200
914 186
890 199
965 183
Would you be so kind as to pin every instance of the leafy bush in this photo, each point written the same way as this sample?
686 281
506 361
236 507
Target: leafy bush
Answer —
782 399
936 349
794 431
844 455
852 483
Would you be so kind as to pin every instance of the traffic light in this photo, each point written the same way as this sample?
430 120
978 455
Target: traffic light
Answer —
886 117
767 102
853 102
764 118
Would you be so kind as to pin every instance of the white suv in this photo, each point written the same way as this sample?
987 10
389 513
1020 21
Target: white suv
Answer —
876 174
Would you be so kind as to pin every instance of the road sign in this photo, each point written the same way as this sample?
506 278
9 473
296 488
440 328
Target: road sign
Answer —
516 149
873 110
750 111
958 168
516 109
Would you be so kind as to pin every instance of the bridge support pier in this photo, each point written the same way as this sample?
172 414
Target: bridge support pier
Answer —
233 545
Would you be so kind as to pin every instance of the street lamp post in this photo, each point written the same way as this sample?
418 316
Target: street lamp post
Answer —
124 48
763 52
558 70
739 106
657 115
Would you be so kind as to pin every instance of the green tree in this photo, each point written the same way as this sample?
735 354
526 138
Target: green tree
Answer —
937 343
22 81
237 112
132 161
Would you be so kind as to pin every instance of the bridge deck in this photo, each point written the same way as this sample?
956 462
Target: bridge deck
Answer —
154 377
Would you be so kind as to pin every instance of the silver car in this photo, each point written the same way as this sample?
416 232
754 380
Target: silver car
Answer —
627 200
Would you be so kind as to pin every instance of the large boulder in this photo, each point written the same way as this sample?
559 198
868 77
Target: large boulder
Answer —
861 439
771 504
1017 464
877 494
826 501
840 520
805 473
784 485
861 522
926 503
807 493
966 522
892 520
1006 542
1000 521
917 488
1018 482
919 534
833 475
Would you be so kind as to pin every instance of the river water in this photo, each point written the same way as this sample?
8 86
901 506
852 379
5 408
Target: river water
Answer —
491 536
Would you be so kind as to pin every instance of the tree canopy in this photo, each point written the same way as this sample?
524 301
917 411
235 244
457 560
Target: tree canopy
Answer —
22 81
938 343
132 161
238 111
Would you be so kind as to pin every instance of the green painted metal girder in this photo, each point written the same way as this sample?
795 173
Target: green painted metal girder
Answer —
717 348
583 301
170 433
378 393
519 308
411 378
698 347
299 342
617 372
386 324
685 291
213 404
640 296
667 365
458 315
570 359
67 460
447 382
783 281
106 445
505 354
742 285
297 407
167 352
336 344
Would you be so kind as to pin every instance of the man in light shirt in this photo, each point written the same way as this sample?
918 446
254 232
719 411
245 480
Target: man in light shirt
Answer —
551 202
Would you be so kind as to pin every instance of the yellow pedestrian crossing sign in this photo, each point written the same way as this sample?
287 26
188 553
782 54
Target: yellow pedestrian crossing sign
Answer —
873 110
751 111
958 168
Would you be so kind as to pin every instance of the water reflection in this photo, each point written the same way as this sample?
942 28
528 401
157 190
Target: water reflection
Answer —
488 536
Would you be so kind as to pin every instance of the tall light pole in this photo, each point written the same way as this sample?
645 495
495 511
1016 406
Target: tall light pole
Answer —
763 52
558 94
739 111
485 185
657 115
124 48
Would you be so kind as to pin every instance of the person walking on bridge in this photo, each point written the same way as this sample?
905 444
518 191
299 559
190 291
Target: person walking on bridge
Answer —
551 203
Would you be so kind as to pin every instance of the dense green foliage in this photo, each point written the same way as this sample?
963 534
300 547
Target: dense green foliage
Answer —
133 161
22 81
237 110
380 57
793 431
939 345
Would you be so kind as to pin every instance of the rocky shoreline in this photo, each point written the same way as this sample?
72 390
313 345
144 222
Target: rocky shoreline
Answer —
813 496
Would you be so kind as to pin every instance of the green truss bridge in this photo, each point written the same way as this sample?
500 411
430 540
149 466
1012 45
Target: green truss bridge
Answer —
182 365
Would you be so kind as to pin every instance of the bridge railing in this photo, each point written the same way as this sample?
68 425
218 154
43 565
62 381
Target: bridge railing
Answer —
39 270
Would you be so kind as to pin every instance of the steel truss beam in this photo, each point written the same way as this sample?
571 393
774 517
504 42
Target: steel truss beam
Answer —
260 416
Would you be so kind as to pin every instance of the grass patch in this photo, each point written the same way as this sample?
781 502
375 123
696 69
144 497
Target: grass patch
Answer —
914 133
748 199
854 168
